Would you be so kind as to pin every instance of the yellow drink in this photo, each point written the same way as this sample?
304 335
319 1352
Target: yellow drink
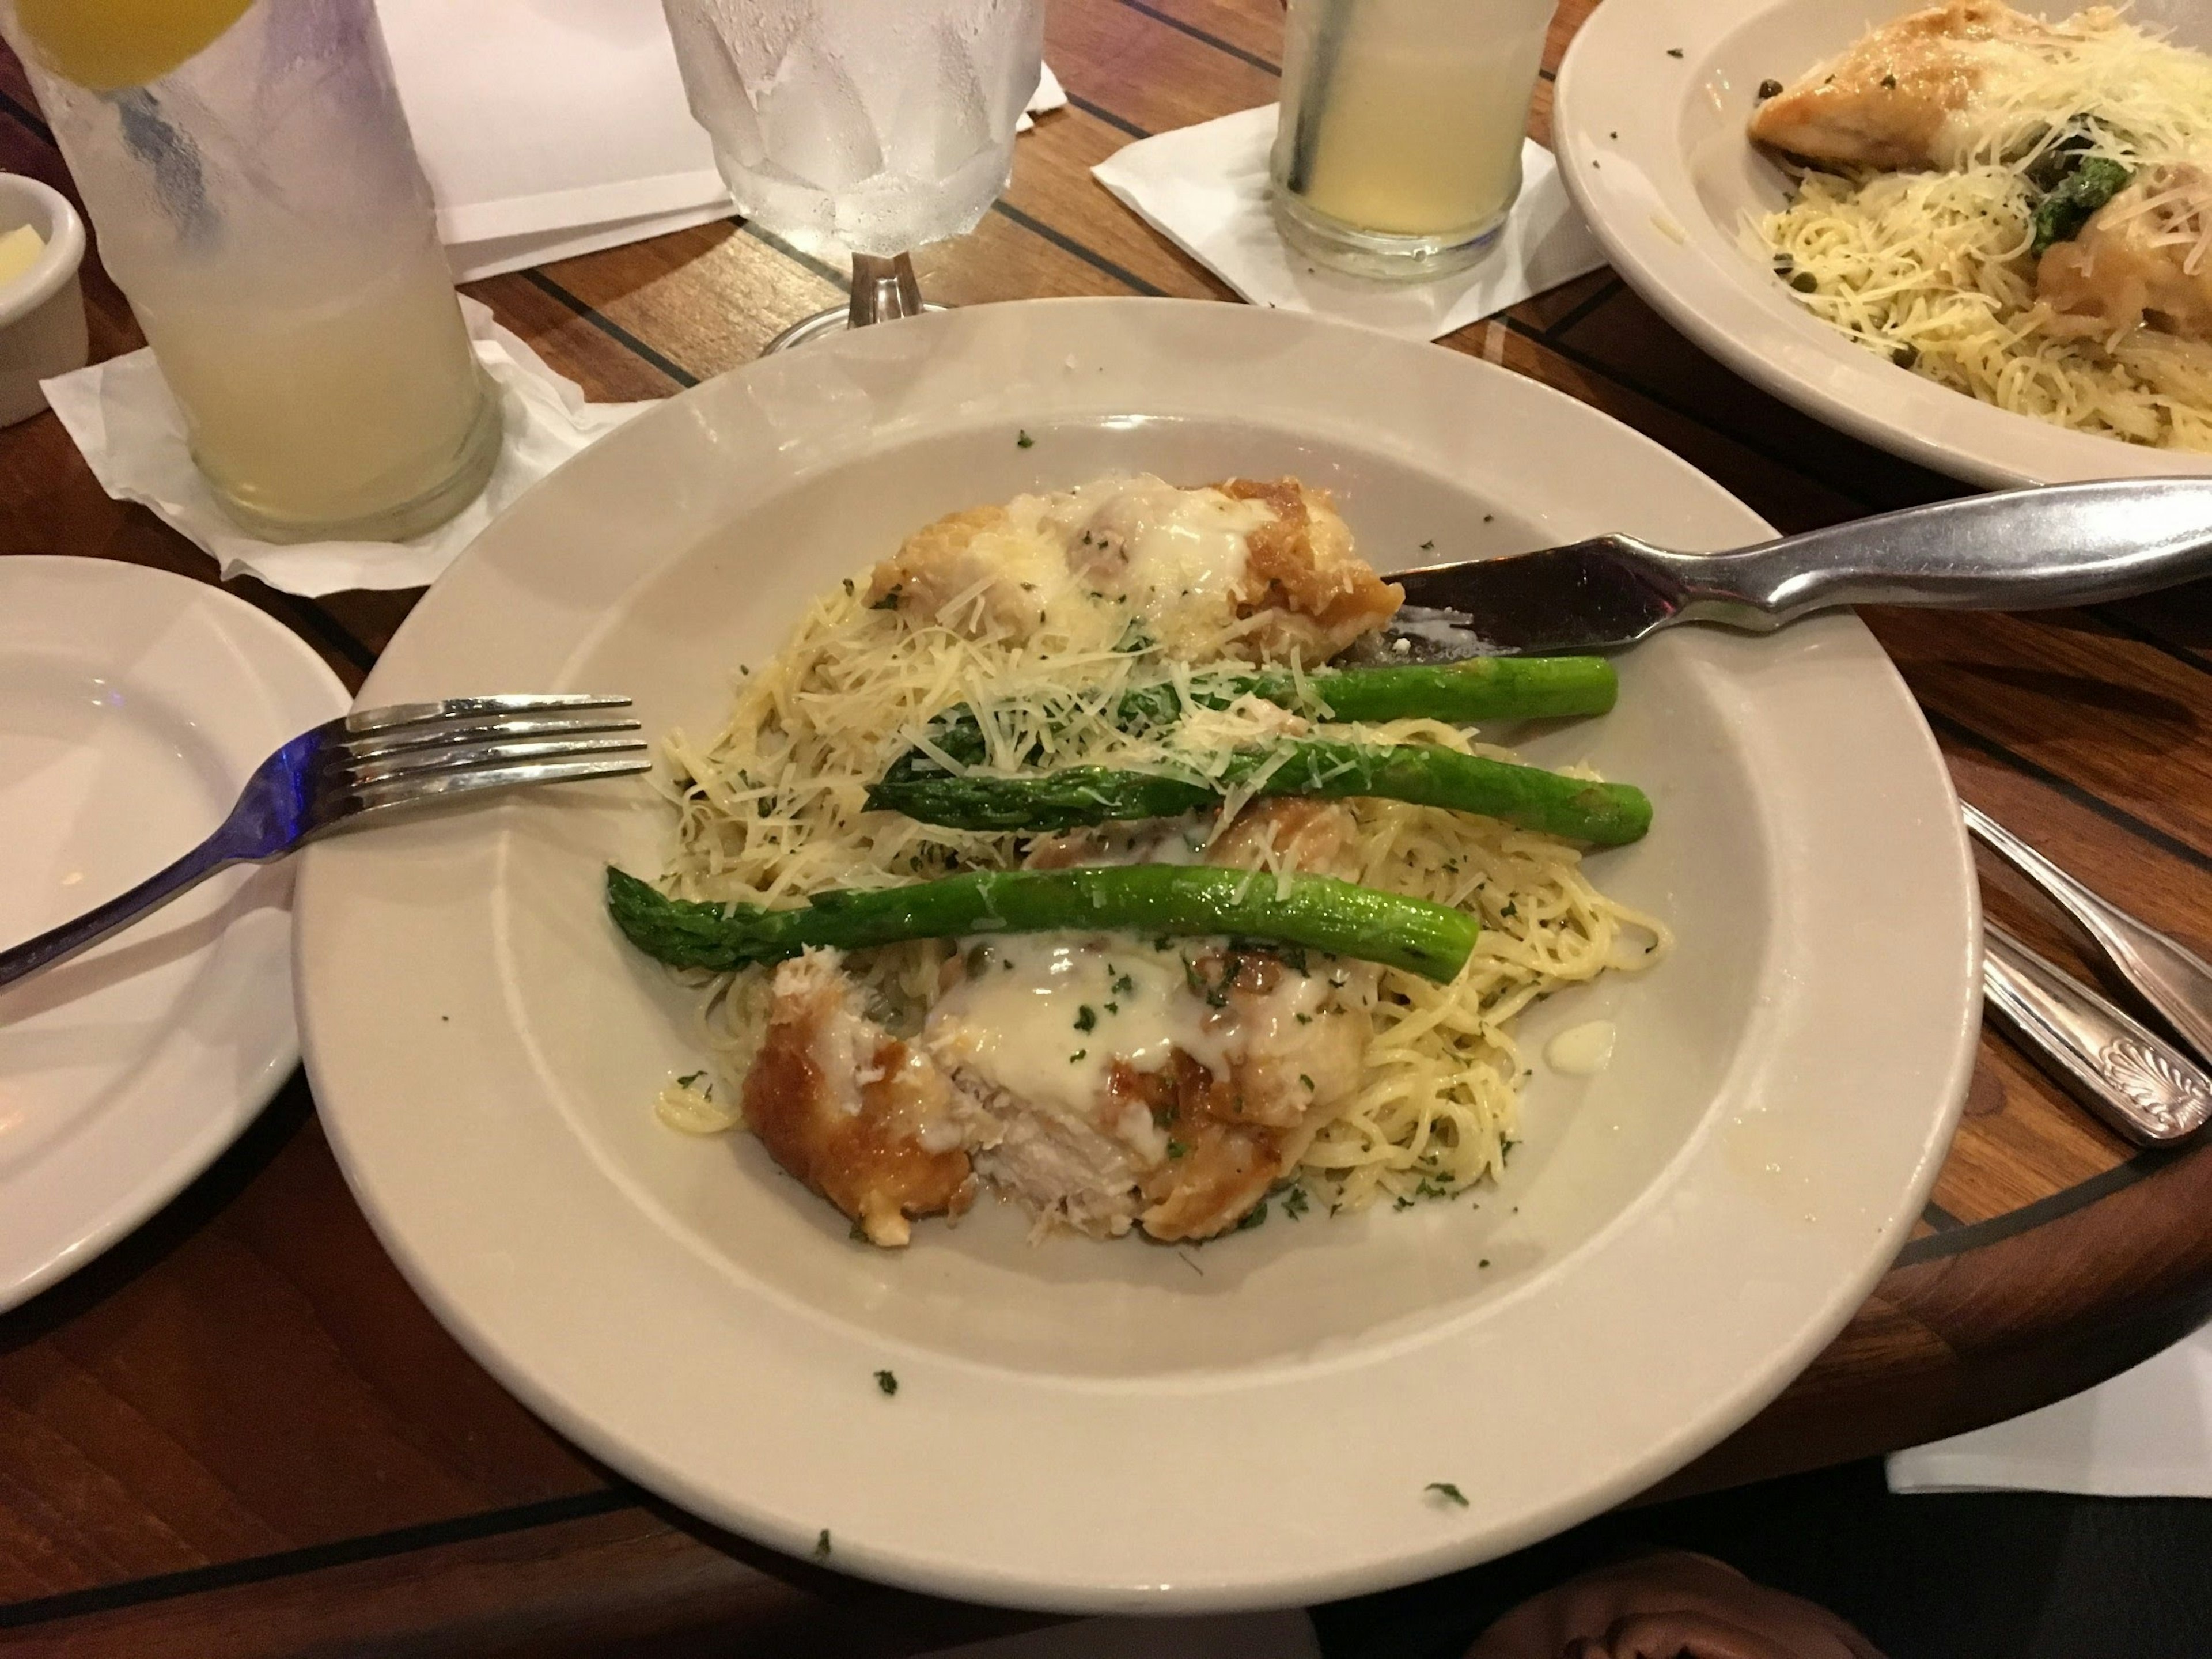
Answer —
263 207
1401 126
323 407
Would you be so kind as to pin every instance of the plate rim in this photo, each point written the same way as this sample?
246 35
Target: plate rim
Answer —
251 630
1726 313
440 1283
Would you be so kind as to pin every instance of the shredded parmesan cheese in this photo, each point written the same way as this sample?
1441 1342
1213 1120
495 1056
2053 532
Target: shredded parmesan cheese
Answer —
1935 269
770 810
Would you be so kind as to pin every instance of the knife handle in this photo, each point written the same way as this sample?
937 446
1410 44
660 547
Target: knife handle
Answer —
2142 1085
2017 549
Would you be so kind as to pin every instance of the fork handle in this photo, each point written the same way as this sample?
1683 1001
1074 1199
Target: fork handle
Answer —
2169 976
59 944
2019 549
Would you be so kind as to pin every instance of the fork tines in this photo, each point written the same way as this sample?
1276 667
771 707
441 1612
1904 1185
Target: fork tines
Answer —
432 748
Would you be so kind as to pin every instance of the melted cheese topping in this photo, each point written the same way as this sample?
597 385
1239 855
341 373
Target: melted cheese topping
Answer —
770 809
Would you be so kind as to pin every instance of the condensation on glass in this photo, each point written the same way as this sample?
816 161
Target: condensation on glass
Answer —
870 125
262 205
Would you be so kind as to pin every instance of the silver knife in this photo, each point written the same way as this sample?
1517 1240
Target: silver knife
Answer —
2020 549
2137 1082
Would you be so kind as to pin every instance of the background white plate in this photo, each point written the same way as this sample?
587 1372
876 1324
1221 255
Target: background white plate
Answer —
1132 1427
1652 146
133 705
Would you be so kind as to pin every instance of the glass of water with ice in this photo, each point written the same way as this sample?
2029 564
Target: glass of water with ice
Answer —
866 126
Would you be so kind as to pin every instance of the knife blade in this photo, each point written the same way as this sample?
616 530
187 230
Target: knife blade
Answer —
2020 549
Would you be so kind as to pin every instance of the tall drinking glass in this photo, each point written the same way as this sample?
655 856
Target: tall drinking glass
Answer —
867 126
1398 147
257 195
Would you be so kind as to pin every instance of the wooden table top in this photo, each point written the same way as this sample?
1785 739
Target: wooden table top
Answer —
240 1432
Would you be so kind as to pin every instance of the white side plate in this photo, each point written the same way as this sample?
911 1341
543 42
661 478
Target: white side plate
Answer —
133 704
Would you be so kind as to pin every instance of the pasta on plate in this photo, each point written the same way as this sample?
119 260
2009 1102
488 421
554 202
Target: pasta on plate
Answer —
2019 210
1051 856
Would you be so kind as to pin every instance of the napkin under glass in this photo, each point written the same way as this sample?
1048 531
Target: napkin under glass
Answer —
1204 188
2147 1433
122 415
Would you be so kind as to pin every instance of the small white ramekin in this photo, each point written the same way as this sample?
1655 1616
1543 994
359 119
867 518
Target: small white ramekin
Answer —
41 312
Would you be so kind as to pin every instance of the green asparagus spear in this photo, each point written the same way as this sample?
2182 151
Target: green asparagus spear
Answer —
1477 689
1424 773
1161 900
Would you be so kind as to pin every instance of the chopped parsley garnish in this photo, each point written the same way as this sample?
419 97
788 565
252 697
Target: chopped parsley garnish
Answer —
887 1381
822 1545
1308 1081
1023 440
1086 1019
1304 1019
1294 1202
1428 547
1077 1057
1769 88
1253 1217
1443 1489
1123 985
687 1081
1889 83
1673 51
889 602
1177 1149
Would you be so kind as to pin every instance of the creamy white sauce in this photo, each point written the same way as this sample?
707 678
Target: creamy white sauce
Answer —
1163 550
1020 1019
1582 1050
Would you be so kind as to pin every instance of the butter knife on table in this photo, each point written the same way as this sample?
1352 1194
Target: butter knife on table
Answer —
2019 549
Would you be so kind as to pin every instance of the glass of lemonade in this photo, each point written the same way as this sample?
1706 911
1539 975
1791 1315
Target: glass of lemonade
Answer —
1398 144
257 197
866 127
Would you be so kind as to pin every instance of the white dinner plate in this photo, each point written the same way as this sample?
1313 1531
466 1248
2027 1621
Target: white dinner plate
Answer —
1083 1426
1648 119
133 705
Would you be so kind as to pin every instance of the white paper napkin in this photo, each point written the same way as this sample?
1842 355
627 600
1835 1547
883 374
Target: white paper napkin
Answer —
1235 1636
533 118
123 419
1205 189
2147 1433
1049 96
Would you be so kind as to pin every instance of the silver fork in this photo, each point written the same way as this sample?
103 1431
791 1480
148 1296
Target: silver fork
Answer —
371 762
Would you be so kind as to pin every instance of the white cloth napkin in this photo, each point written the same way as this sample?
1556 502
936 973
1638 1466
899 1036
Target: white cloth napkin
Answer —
1235 1636
1205 189
551 129
123 419
2147 1433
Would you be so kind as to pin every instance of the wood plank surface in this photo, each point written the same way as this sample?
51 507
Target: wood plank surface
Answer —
240 1432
